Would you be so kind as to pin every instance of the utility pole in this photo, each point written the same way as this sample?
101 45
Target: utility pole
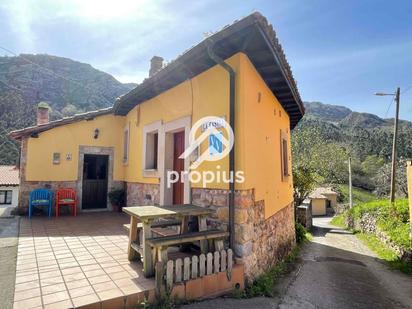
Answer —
395 139
350 183
394 145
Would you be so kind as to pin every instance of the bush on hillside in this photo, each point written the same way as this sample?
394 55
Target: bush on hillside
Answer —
391 219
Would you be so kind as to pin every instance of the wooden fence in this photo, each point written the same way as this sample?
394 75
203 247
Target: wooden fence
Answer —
177 271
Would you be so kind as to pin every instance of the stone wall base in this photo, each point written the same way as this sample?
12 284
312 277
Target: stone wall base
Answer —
142 194
259 243
27 186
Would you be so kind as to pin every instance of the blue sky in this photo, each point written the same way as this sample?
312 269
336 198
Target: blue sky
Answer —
341 52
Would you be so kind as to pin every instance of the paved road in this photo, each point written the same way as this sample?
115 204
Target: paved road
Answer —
337 271
8 256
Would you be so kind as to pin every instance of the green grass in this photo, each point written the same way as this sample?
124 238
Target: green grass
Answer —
339 221
358 195
385 253
391 219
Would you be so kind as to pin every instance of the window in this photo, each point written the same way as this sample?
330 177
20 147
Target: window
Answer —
5 196
152 139
126 145
284 155
56 157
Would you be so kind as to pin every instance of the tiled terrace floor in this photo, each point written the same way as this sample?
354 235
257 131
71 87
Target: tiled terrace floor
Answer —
71 262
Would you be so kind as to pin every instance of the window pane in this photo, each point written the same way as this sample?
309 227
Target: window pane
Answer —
155 137
151 151
125 145
2 197
285 158
8 197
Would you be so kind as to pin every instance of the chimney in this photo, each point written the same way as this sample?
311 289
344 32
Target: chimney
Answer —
156 64
42 113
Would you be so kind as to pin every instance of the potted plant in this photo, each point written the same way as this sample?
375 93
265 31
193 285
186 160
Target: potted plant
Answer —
117 199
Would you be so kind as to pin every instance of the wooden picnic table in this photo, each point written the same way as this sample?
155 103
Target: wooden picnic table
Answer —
147 215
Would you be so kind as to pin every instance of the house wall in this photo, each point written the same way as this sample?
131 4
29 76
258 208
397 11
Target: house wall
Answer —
260 126
318 206
67 139
332 198
204 95
15 195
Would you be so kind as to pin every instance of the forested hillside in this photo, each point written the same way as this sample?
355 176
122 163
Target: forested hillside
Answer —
68 86
329 134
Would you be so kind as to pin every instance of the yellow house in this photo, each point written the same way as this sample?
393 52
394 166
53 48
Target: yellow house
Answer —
239 75
322 199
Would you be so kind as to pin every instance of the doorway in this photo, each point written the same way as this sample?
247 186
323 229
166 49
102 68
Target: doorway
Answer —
178 166
95 181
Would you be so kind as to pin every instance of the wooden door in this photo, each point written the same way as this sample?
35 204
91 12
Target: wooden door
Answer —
94 191
178 166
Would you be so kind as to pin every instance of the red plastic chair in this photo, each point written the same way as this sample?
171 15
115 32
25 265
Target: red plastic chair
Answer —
66 197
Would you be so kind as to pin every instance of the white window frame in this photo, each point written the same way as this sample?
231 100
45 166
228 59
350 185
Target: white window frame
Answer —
155 127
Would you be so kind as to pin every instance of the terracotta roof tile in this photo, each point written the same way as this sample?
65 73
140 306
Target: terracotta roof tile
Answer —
319 192
9 175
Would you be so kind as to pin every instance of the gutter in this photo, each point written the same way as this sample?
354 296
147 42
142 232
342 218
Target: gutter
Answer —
232 85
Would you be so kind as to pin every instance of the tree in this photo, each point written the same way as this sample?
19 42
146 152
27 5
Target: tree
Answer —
320 155
304 181
383 179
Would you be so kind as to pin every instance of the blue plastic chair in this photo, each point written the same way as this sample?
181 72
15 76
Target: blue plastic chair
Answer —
40 198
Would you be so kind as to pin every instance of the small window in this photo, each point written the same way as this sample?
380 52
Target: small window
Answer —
285 158
151 151
56 158
284 155
6 197
126 145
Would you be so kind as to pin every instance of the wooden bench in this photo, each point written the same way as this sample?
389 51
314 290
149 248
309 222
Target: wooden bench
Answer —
160 244
159 228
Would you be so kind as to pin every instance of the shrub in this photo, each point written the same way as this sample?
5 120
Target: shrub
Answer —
391 219
300 232
117 197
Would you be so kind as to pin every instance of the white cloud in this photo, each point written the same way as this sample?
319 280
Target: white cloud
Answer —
136 78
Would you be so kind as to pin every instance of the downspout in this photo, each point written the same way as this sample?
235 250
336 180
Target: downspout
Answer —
232 83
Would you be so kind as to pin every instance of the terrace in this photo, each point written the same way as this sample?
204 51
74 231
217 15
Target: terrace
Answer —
77 262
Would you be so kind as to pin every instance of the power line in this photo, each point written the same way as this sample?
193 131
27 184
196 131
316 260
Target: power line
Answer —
407 89
389 106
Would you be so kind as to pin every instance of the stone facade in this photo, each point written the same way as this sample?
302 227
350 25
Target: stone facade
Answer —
259 242
142 194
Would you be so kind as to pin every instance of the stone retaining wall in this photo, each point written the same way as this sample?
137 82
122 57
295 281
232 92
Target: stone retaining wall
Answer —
259 242
304 216
368 224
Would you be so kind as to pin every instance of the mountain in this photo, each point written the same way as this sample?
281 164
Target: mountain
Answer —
68 86
366 137
362 134
326 112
